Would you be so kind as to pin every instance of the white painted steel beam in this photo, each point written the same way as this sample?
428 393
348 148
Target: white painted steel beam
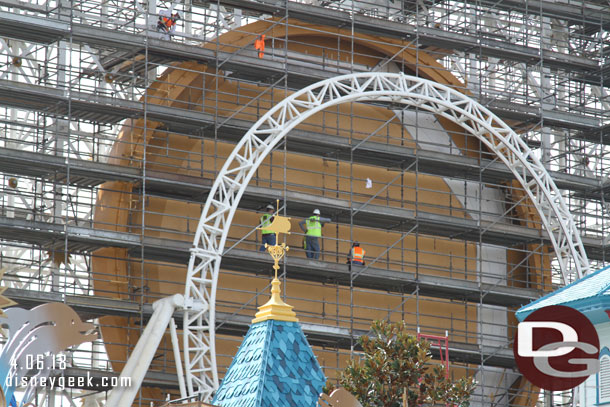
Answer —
144 352
270 129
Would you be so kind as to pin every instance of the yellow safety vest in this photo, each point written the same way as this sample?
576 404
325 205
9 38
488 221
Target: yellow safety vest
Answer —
314 227
266 221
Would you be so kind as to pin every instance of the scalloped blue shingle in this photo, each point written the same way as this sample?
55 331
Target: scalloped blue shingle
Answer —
273 367
592 288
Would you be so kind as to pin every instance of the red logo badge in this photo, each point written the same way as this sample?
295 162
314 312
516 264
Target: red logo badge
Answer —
556 348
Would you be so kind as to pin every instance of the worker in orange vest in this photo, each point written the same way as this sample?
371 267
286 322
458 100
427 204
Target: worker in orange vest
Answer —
167 23
356 255
259 45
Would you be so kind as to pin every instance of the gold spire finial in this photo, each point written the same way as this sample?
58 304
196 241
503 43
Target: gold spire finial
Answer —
275 308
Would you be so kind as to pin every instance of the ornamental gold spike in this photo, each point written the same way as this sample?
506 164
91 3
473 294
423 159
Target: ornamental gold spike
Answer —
280 224
275 308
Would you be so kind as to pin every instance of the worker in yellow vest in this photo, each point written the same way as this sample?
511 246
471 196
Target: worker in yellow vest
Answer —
312 227
356 255
266 220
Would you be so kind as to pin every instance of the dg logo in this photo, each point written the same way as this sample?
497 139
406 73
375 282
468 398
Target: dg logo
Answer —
556 348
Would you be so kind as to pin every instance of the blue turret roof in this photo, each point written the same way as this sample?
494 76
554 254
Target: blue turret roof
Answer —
590 295
274 367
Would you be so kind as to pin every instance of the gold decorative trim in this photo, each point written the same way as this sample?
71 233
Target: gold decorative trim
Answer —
275 308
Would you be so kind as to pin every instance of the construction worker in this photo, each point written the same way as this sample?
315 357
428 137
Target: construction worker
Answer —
266 220
312 227
167 23
259 45
356 255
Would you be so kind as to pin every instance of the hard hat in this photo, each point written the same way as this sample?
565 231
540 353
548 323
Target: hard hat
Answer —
316 211
176 15
357 244
270 207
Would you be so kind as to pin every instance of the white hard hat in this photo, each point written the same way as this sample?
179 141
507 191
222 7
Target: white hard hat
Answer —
316 211
270 207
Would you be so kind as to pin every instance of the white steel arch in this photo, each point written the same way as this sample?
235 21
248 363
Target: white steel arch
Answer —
269 130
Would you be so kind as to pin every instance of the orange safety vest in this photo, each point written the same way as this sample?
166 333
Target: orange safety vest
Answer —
168 22
259 45
358 254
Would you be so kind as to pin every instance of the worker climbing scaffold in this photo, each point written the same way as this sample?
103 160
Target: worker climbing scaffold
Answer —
166 24
356 255
259 45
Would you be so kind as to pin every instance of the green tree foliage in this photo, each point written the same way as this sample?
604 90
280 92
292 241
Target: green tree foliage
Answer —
394 360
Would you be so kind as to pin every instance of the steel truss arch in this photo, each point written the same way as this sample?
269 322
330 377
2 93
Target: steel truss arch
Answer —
270 129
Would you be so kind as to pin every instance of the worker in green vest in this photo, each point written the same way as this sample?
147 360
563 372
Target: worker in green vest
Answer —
266 220
312 227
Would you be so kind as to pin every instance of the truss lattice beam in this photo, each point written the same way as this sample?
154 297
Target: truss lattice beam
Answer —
273 126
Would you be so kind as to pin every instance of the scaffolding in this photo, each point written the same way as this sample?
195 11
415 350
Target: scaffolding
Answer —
111 137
